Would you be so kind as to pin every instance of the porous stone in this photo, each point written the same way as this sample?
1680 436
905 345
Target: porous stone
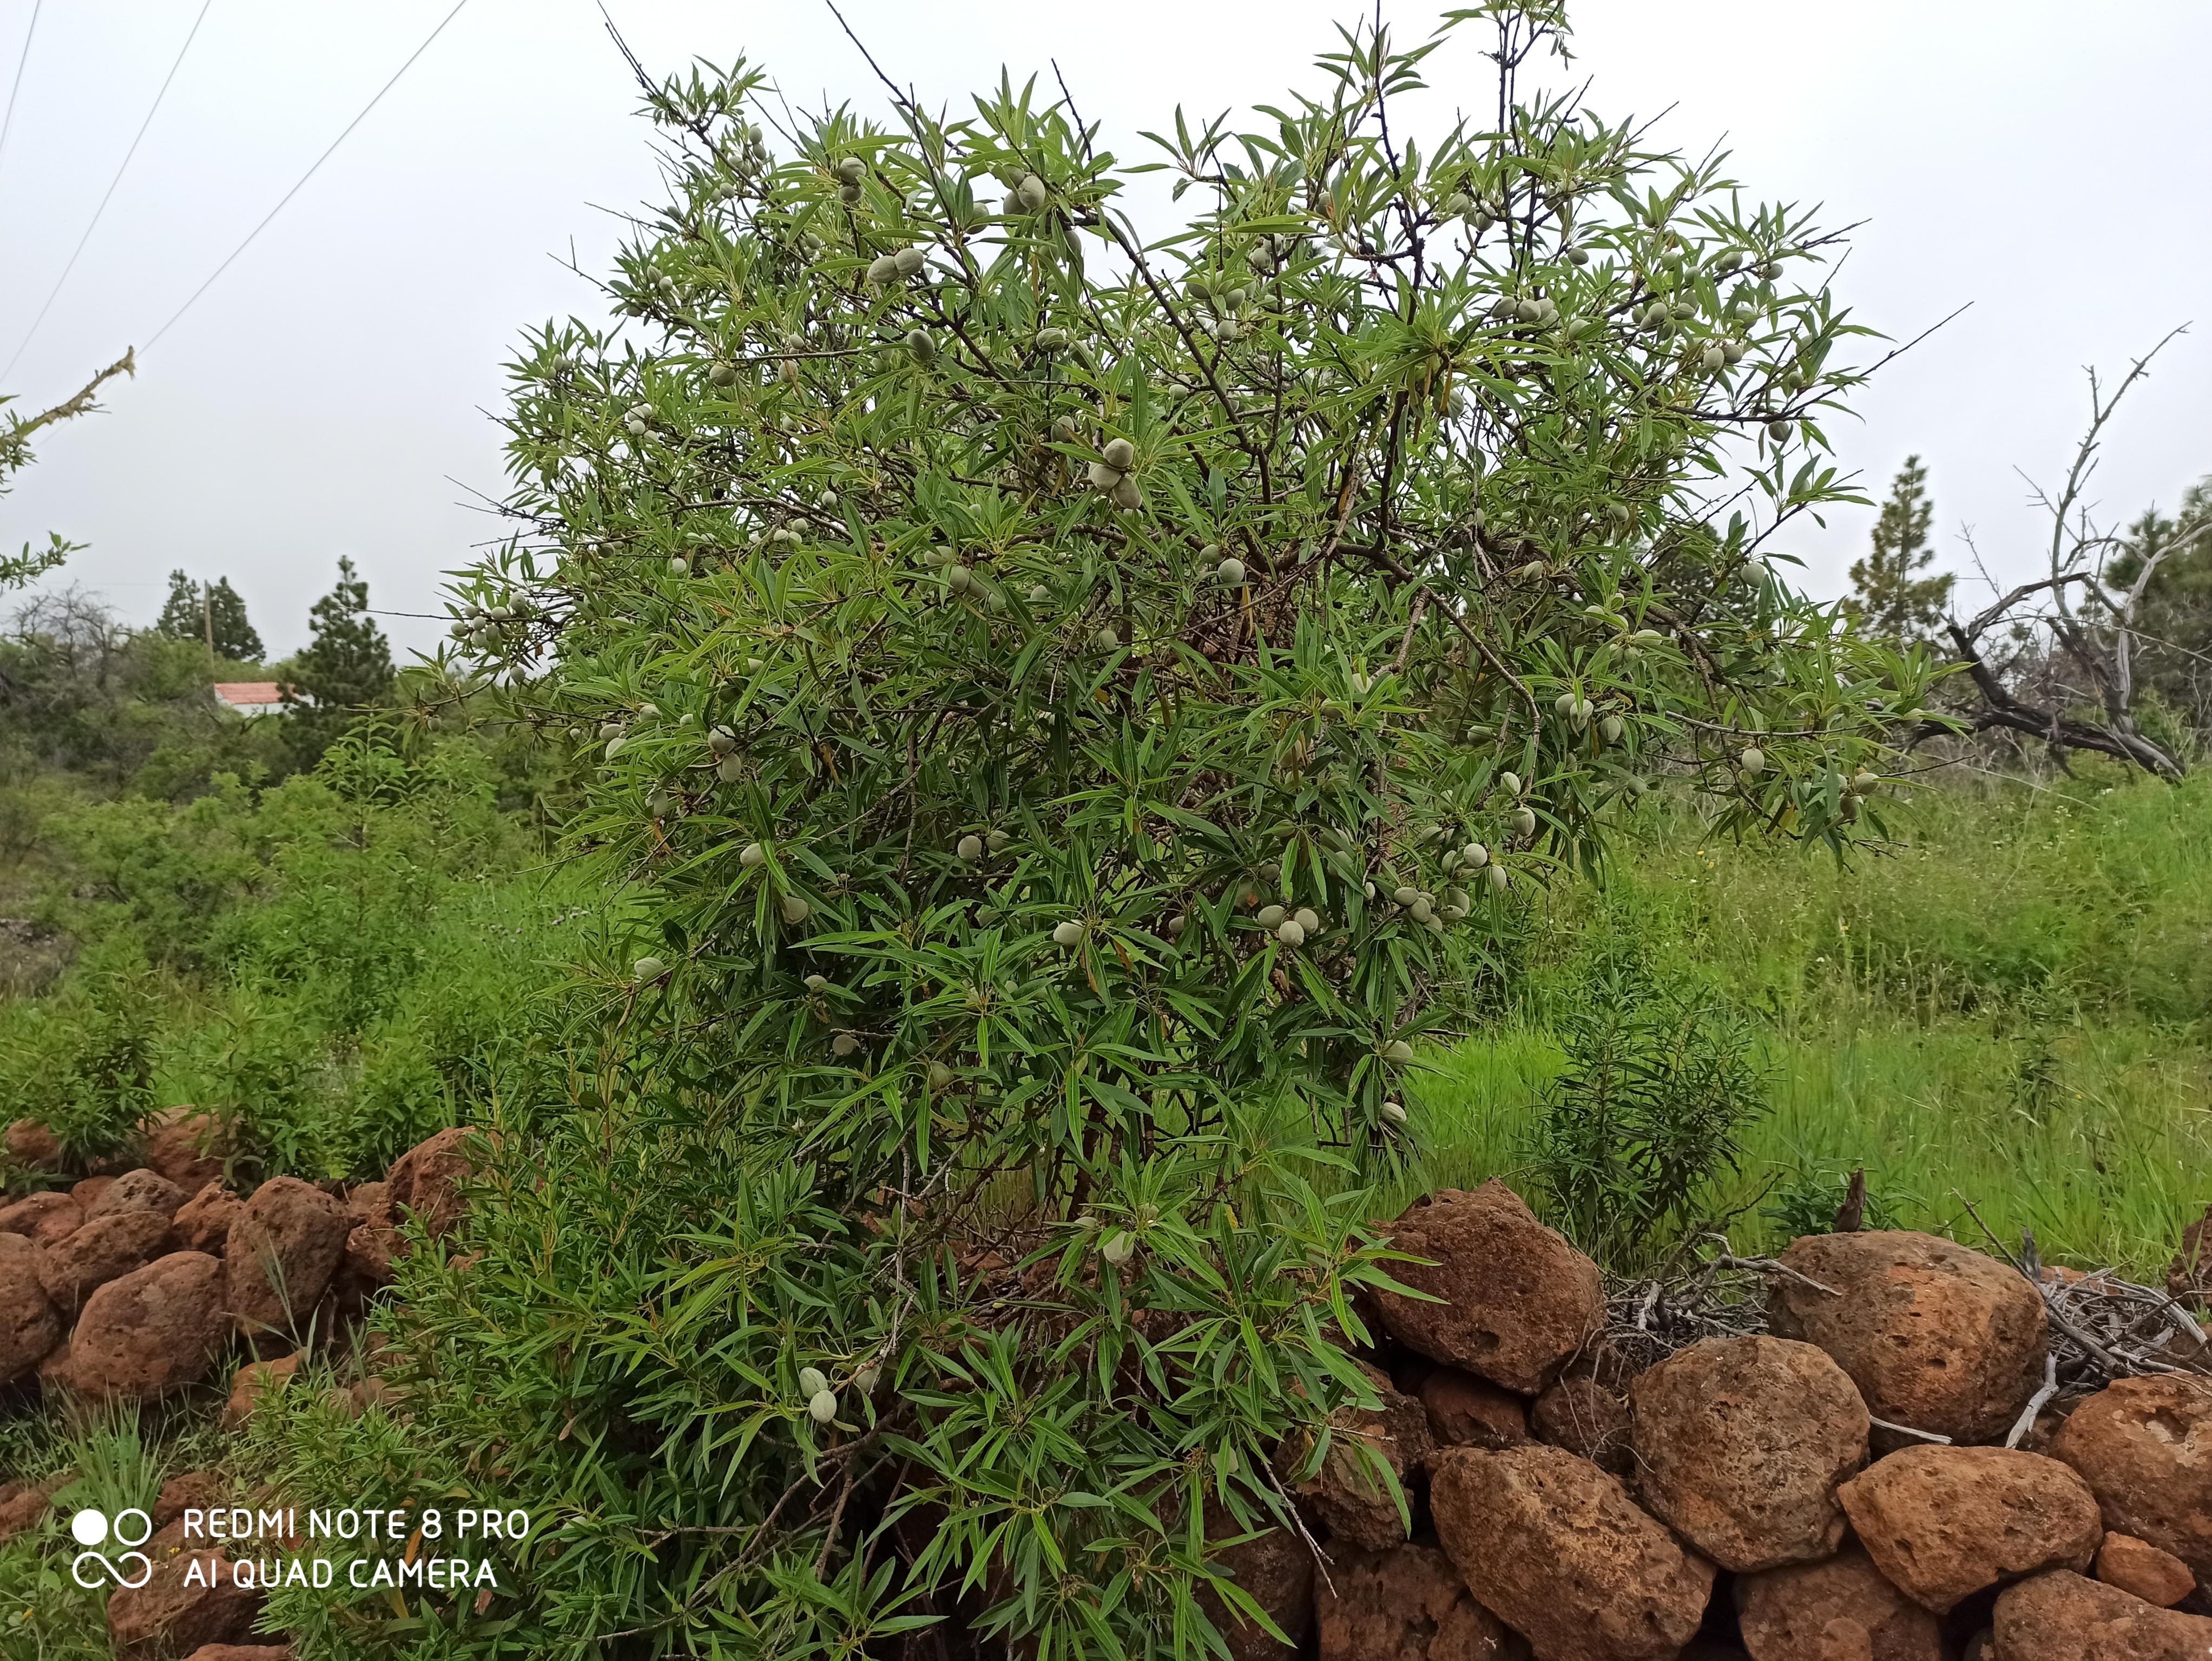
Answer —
2144 1446
1276 1568
178 1609
1465 1411
203 1222
32 1147
148 1332
142 1189
279 1256
1942 1523
2061 1616
30 1326
1581 1414
189 1147
1740 1444
251 1383
1516 1300
1936 1336
1557 1549
2141 1569
1787 1613
1408 1604
425 1183
42 1219
1351 1496
74 1267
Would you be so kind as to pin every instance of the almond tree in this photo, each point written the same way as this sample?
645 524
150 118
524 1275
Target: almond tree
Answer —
1070 709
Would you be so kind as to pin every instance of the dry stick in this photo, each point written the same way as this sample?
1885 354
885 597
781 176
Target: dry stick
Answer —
2026 1422
1907 1430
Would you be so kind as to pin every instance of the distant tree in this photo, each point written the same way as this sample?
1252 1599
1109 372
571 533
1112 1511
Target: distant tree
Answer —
345 671
2174 650
216 613
1889 599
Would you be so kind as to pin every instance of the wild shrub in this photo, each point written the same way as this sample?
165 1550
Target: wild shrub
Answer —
1069 709
1639 1129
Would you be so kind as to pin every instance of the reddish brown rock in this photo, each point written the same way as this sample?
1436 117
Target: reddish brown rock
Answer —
1277 1570
1788 1613
250 1381
1587 1419
171 1615
203 1222
369 1203
72 1268
2142 1570
32 1147
1405 1604
1944 1523
1935 1336
153 1330
1354 1501
42 1219
279 1256
24 1506
244 1652
30 1326
1740 1444
88 1193
425 1182
1467 1411
2062 1617
136 1190
196 1490
2144 1446
188 1147
1518 1301
1556 1549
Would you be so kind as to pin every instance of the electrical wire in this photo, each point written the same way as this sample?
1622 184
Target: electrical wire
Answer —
112 184
9 120
305 177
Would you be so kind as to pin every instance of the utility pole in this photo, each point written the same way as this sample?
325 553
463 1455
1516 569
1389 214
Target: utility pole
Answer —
207 616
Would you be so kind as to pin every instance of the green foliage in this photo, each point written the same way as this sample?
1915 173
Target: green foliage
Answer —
203 612
1889 599
2174 616
1809 1200
1638 1132
1048 688
344 672
83 1062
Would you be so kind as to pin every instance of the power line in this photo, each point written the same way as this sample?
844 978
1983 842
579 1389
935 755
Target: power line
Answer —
112 184
9 120
306 176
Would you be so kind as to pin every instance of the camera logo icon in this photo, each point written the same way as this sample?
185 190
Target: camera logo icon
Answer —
90 1528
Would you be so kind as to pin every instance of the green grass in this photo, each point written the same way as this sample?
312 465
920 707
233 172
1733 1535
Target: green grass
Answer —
2007 1008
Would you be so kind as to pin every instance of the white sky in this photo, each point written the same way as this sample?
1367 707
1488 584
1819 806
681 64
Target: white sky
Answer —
332 394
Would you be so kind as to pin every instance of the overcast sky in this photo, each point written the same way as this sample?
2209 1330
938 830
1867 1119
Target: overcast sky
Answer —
332 392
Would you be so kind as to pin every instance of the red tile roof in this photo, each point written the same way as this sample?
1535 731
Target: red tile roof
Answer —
247 694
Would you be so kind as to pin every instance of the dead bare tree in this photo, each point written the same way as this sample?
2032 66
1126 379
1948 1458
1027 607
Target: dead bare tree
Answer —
2069 678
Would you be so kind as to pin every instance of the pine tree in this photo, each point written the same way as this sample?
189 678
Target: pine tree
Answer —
216 611
345 670
1888 600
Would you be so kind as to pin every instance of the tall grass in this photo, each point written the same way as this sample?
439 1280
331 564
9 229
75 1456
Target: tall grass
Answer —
2004 1012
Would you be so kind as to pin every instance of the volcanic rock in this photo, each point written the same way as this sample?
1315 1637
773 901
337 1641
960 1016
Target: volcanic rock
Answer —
74 1267
136 1190
279 1256
1788 1613
1942 1523
1352 1500
188 1147
1465 1411
426 1181
203 1222
1557 1551
42 1219
1407 1603
1936 1336
1517 1300
151 1331
30 1326
2062 1617
1741 1443
2144 1446
168 1616
2142 1570
1582 1415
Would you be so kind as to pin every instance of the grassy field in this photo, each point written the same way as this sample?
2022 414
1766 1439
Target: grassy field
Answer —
2008 1007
